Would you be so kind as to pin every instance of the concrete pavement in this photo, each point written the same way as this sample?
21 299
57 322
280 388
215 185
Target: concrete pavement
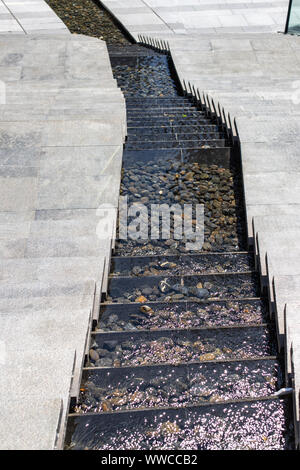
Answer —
62 127
29 17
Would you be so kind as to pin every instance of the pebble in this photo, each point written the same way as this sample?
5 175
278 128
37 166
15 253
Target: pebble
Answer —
146 309
136 270
207 357
104 362
181 289
141 299
167 265
110 345
164 286
103 352
147 291
94 355
199 292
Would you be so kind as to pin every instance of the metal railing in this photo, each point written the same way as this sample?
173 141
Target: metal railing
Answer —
292 25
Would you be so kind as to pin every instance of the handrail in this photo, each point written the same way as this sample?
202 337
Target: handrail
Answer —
292 25
288 17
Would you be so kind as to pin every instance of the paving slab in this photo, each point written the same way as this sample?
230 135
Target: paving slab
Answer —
72 193
30 427
21 374
29 16
56 269
61 133
81 161
32 304
274 224
46 289
228 38
18 194
197 17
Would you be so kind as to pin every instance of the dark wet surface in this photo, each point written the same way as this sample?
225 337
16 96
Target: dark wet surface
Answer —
175 386
181 315
182 265
174 288
259 425
175 347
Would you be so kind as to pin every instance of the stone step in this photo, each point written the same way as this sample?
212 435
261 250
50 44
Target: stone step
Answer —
176 386
182 264
196 287
28 427
159 110
160 107
179 346
132 50
192 126
157 122
201 427
166 114
173 137
127 54
20 374
183 144
130 59
181 315
156 103
210 156
142 128
44 330
152 101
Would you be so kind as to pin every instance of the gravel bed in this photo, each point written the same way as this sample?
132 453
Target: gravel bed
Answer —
89 18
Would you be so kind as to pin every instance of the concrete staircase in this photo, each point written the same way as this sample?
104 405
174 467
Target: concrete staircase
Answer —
62 127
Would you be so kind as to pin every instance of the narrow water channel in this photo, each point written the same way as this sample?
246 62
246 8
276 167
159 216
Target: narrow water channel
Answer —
184 355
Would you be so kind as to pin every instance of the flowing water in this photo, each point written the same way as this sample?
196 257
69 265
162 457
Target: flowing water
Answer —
184 355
